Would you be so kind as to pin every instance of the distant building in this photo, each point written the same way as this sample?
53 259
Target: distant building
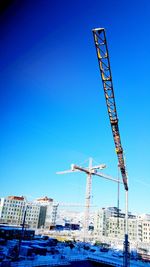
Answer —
116 228
110 222
39 213
48 212
144 228
12 209
32 215
101 220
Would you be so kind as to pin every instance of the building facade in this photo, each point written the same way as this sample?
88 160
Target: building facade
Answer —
40 213
110 222
32 215
143 228
12 210
48 212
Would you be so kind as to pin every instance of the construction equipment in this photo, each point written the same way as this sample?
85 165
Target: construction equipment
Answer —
105 70
91 170
104 65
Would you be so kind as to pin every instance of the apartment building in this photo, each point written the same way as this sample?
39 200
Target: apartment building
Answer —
48 212
39 213
32 215
101 221
143 230
110 222
12 209
116 228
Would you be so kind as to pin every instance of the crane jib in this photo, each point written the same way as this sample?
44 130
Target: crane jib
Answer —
105 71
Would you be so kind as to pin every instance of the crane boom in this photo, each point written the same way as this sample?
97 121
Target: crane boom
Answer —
105 70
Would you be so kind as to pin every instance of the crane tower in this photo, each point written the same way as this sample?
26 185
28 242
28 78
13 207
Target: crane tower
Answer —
90 171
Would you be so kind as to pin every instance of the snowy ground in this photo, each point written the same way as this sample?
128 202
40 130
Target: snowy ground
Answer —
80 251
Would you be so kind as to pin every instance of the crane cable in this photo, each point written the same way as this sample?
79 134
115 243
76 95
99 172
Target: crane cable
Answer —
118 199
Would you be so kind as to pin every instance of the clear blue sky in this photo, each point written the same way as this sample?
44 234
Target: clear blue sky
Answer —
52 106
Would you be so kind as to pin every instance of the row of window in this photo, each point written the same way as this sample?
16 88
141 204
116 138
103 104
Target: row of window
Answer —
18 204
32 215
146 233
5 209
22 205
11 209
146 229
17 214
146 224
14 201
33 207
32 211
111 224
10 216
13 205
31 219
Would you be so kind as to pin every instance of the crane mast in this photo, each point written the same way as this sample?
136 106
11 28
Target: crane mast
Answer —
105 70
90 171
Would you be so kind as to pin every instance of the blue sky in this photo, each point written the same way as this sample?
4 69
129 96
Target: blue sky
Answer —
52 106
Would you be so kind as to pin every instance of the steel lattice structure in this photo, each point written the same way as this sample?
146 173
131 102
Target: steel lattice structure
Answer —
105 70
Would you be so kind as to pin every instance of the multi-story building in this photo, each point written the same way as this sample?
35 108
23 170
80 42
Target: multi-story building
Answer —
101 221
48 212
132 228
110 222
32 215
143 222
145 231
115 227
39 213
12 209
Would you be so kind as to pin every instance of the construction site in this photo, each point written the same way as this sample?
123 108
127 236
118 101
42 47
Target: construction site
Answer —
72 92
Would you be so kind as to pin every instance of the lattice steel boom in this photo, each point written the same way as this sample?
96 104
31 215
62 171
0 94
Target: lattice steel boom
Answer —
105 70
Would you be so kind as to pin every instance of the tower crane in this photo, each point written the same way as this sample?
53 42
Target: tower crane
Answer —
106 76
90 170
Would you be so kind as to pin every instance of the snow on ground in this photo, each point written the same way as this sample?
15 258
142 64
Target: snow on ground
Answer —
79 251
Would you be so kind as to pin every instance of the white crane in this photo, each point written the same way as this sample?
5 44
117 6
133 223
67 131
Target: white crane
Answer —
90 170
